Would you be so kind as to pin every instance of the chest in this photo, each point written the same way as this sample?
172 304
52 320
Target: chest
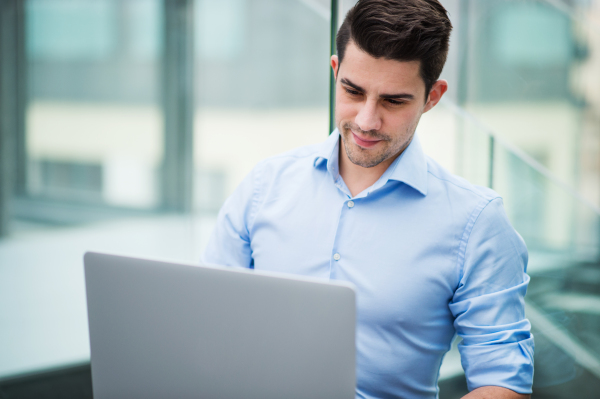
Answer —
397 249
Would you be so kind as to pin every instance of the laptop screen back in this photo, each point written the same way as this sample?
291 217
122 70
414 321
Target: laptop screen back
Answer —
160 329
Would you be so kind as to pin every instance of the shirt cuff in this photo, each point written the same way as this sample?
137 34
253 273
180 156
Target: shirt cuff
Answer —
507 365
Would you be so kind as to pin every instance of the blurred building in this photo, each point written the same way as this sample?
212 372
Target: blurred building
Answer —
125 124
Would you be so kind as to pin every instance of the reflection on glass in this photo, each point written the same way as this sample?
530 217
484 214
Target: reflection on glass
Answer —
262 78
94 127
562 235
94 134
529 73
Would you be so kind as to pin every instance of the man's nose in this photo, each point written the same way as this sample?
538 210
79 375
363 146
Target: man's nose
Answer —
368 117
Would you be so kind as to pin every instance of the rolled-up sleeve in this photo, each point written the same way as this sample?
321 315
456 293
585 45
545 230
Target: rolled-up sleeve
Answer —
488 305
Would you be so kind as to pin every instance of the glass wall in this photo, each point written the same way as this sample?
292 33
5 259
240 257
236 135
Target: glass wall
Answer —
93 117
561 230
262 78
95 139
522 115
530 73
526 125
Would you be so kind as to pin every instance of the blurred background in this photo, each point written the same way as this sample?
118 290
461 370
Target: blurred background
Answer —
125 124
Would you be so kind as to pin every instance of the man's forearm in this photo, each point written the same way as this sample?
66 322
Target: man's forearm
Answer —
495 393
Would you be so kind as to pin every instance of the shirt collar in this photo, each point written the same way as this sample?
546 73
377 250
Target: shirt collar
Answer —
328 148
409 168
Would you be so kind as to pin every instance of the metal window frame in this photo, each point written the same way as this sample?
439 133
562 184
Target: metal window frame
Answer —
12 100
177 101
178 105
333 33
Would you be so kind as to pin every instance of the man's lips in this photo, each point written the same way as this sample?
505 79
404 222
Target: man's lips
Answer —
364 143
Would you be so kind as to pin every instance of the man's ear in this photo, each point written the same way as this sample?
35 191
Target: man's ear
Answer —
335 65
435 94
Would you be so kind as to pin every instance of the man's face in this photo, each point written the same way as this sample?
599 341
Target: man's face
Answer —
378 105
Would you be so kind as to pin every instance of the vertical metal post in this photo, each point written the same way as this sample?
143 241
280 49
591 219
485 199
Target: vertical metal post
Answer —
178 105
333 33
7 17
11 105
463 81
21 98
491 163
463 51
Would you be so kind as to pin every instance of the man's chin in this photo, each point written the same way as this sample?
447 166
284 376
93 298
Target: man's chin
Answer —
358 155
365 165
361 160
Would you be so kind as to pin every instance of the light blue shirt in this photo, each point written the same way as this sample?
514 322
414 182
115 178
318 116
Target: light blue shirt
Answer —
429 253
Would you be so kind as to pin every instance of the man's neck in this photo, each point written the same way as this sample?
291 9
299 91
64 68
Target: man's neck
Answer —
356 177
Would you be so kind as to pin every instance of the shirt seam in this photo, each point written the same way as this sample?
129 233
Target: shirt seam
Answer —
314 155
462 250
257 182
255 197
480 195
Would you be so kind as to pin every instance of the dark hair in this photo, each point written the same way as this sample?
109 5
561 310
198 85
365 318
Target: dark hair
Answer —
401 30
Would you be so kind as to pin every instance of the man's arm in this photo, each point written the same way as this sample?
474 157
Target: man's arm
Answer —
488 306
495 393
229 244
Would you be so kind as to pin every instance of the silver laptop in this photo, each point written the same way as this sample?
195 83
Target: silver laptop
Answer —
160 330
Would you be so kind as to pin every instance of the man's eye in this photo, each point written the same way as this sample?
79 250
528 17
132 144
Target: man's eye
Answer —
352 92
395 102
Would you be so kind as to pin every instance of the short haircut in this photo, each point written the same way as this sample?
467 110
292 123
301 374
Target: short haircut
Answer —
401 30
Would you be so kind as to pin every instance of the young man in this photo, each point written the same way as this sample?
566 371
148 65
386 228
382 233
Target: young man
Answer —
430 254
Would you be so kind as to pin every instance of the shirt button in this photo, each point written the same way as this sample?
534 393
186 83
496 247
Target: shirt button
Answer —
336 256
350 204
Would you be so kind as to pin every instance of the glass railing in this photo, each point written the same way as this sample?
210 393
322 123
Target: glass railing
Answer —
525 76
561 229
95 134
528 70
93 122
260 89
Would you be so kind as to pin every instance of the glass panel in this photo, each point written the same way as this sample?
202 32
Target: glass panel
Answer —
262 79
530 72
94 136
343 7
562 233
262 90
441 135
93 121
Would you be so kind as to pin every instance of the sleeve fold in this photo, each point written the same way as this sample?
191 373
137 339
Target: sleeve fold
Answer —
488 305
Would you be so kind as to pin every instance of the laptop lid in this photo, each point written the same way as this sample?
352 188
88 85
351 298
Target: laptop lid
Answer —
159 329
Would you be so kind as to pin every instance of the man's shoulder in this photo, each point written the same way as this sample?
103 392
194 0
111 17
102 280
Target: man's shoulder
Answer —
445 182
300 156
464 205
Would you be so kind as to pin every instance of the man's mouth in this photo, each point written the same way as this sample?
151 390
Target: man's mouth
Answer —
364 142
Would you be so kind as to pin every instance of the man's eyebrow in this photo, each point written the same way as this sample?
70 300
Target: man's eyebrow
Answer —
400 96
354 86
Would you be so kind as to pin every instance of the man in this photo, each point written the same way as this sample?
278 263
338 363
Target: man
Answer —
430 254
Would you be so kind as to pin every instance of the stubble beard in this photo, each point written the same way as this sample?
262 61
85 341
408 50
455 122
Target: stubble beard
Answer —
361 156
